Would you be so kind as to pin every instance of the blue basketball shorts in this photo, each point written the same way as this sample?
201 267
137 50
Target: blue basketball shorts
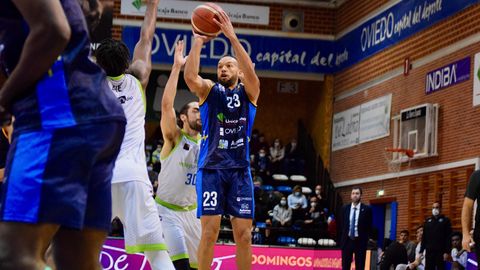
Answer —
62 176
226 191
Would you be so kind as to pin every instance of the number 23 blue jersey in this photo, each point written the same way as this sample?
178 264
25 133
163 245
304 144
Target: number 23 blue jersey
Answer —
227 119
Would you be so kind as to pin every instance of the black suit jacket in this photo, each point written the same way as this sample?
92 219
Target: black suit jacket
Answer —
364 224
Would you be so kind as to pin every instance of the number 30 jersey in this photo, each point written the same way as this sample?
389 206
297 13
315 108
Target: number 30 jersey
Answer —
177 178
227 119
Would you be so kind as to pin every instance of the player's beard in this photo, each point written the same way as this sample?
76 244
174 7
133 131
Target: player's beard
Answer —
227 83
193 124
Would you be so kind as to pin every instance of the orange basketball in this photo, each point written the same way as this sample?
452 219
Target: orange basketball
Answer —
202 19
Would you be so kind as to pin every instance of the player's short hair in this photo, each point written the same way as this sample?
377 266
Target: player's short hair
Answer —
184 111
113 56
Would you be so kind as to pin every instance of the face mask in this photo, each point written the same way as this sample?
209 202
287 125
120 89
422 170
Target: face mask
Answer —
313 204
294 144
297 194
261 155
317 191
435 212
256 188
282 202
149 168
277 144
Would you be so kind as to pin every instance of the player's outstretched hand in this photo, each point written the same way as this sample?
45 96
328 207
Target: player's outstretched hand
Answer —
225 25
179 59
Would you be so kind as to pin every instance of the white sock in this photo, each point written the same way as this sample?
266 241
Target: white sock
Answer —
159 260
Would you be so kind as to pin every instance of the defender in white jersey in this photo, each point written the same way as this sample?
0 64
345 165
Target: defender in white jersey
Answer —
176 195
132 192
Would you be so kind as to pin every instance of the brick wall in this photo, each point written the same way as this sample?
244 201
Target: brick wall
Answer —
459 121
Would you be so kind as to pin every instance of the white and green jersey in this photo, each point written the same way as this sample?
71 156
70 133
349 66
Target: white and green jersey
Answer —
130 164
177 178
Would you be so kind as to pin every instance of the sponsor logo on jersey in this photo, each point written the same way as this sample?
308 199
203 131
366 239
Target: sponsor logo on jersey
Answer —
124 99
236 144
228 131
245 209
222 144
117 88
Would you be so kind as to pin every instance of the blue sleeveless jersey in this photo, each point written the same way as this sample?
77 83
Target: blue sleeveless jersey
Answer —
74 91
227 119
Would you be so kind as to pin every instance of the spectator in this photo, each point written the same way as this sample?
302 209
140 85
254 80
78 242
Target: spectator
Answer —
293 162
298 203
436 239
459 255
419 262
282 214
263 164
409 245
277 154
395 254
313 217
318 195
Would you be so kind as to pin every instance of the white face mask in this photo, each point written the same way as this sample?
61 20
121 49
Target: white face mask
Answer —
317 191
297 194
282 202
261 155
313 204
277 144
435 212
149 168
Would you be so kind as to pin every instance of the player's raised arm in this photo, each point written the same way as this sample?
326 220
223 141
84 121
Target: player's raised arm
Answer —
168 122
142 55
251 81
199 86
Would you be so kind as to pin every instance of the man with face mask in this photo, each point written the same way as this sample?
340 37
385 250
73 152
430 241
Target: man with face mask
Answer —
356 223
436 239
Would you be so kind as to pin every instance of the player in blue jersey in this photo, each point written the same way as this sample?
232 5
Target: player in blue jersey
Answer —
227 111
67 133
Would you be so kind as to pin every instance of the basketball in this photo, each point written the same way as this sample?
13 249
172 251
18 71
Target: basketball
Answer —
202 19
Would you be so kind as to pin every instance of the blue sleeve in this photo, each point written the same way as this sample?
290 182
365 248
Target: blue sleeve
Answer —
290 201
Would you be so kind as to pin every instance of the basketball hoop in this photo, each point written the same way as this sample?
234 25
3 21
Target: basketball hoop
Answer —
394 157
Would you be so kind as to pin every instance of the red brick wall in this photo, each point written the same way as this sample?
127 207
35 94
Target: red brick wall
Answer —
459 121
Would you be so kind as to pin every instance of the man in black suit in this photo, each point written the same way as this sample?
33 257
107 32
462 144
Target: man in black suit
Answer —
355 230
